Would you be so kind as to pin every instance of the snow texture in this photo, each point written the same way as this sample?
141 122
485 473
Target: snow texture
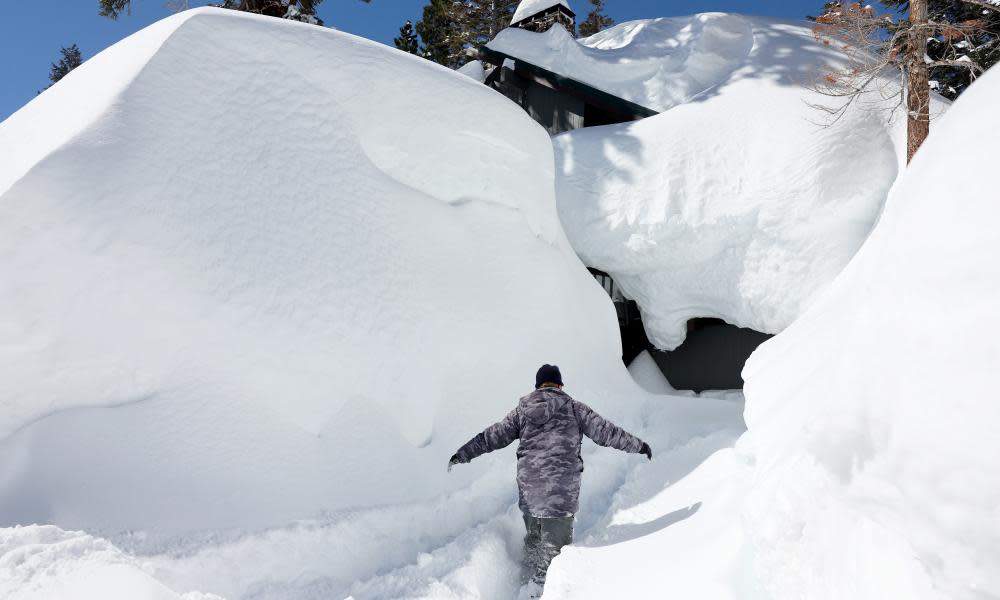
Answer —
250 306
42 562
870 468
239 294
530 8
473 69
656 63
734 203
648 375
873 419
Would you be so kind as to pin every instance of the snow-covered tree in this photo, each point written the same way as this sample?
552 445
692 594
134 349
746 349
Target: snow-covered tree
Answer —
70 58
444 30
975 39
596 19
878 43
407 40
113 8
297 10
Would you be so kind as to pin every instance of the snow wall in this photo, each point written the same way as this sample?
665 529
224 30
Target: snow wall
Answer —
873 418
254 270
734 202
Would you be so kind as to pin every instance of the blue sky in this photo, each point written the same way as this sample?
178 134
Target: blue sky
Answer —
32 31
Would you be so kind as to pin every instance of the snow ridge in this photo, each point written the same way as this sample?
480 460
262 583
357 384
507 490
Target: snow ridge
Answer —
656 63
734 204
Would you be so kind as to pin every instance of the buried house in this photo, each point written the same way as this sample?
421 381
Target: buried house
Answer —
709 197
557 102
715 352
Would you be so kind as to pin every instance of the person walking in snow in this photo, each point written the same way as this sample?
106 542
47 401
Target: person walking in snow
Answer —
550 426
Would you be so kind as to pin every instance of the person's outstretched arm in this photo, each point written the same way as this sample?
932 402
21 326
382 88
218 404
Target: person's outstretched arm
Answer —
496 436
605 433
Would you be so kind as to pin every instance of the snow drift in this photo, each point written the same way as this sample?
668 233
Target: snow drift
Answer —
252 278
46 563
873 419
733 202
870 468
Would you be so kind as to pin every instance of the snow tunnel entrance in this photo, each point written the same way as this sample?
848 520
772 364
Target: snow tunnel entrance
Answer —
711 358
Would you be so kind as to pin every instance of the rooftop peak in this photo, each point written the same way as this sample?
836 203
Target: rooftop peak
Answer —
540 15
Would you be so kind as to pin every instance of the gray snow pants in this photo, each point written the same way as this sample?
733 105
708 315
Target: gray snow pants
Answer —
545 538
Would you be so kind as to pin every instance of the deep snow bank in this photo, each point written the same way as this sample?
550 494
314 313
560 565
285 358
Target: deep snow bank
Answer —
42 562
258 280
873 419
870 468
648 375
733 203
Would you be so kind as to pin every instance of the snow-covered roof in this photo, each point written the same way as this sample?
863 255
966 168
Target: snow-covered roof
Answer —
528 8
657 63
731 202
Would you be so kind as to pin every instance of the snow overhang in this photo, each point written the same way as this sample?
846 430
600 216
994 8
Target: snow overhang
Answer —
583 91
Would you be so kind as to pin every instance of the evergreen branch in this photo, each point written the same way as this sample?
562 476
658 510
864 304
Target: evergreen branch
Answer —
983 4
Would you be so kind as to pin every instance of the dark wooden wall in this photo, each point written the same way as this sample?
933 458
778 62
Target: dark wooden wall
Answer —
711 358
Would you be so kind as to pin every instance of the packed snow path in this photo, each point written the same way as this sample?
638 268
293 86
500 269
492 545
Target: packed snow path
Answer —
467 544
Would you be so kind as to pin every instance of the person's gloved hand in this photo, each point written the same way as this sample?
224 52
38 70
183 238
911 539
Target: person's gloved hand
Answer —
453 461
646 450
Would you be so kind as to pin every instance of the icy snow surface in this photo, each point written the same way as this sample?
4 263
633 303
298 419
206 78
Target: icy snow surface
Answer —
251 300
734 203
528 8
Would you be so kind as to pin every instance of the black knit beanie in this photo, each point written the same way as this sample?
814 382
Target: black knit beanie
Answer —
548 374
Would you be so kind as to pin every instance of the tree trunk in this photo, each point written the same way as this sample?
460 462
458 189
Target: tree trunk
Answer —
917 86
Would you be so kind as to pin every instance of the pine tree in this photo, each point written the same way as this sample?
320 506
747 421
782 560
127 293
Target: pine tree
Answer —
875 43
407 40
596 20
443 27
487 18
70 59
113 8
969 32
296 10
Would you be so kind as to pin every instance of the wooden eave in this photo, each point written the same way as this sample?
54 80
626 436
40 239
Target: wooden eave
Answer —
557 8
584 92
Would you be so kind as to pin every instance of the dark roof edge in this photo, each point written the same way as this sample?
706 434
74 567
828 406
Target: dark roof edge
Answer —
572 85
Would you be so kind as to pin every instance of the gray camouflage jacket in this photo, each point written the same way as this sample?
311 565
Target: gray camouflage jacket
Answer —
551 426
